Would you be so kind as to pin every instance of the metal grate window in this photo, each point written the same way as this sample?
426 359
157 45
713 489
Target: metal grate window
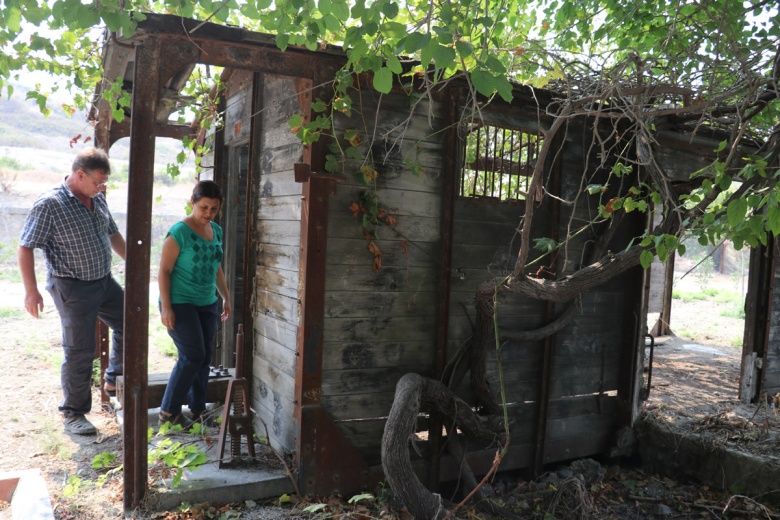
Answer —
499 163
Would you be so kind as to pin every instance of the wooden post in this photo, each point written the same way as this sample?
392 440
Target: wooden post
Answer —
139 220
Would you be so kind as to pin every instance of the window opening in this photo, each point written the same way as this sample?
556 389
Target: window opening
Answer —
499 163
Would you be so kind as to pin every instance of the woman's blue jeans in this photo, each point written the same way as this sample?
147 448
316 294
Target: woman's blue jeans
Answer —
194 333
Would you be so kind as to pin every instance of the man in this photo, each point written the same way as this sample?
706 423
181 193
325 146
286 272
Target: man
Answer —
75 230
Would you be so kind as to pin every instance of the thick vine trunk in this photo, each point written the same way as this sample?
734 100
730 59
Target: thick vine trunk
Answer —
412 393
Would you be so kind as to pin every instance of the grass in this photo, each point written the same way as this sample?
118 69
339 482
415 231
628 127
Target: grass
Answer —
52 440
11 312
734 311
707 294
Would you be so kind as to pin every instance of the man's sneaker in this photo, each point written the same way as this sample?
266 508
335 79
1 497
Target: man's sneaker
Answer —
109 388
79 425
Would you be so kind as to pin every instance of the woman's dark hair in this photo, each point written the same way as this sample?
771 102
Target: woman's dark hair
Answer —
208 189
91 159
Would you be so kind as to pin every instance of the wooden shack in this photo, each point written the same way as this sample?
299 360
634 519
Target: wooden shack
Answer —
337 314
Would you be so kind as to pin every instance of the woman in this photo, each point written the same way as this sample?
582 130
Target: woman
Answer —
190 277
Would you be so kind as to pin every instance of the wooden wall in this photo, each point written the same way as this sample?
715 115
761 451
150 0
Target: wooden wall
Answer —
277 249
588 355
771 369
238 107
380 325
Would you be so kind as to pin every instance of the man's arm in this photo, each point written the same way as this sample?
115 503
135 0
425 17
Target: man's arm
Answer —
118 244
33 301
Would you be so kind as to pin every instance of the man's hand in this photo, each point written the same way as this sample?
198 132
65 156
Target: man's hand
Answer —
33 302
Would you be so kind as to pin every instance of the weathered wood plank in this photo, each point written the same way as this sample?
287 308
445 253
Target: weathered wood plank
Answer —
361 381
398 202
342 224
237 109
275 388
395 253
278 256
363 278
359 406
478 210
278 355
397 172
277 280
286 208
277 330
379 354
378 328
278 306
279 184
275 413
280 159
350 304
282 232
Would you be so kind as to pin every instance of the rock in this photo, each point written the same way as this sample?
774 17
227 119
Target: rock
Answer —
663 510
592 472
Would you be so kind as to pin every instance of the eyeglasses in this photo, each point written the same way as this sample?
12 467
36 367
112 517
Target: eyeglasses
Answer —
97 184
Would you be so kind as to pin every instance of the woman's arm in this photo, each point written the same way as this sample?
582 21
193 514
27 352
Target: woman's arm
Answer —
170 252
223 292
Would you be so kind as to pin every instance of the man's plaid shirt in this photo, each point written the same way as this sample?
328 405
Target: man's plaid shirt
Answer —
74 239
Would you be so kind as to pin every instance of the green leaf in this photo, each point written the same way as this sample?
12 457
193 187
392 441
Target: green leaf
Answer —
282 41
383 80
544 244
314 508
736 211
340 10
358 498
443 56
390 10
394 64
593 189
773 220
13 19
415 41
465 49
646 259
483 82
285 499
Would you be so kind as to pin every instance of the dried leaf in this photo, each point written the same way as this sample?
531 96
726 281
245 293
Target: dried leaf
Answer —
377 263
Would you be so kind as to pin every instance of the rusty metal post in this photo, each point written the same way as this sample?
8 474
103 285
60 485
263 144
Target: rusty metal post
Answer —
101 352
543 401
139 220
452 161
102 141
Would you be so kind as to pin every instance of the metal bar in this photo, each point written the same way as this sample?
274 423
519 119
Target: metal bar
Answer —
476 161
139 221
452 159
514 195
501 164
101 352
495 155
543 402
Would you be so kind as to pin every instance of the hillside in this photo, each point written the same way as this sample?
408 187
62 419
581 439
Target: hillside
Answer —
22 125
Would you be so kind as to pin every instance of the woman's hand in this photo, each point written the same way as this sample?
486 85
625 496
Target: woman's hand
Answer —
226 310
167 317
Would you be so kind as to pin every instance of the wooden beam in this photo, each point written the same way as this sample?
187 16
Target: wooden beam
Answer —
139 225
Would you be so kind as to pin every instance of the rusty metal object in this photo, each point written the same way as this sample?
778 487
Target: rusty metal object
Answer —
449 189
236 414
136 315
101 352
